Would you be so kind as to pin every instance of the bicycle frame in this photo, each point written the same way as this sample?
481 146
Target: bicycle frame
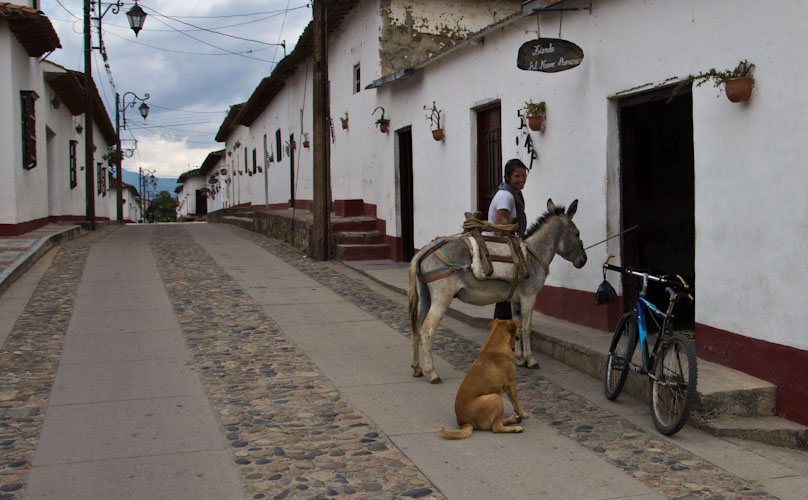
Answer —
640 307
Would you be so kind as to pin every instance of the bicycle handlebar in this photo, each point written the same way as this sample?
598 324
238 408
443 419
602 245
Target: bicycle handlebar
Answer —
673 287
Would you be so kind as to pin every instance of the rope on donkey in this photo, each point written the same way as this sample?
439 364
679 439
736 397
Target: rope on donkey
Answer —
473 223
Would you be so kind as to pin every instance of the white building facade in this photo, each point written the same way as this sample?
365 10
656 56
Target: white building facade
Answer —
42 139
714 187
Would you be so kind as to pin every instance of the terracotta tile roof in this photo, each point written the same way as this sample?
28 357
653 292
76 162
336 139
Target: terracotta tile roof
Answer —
211 161
229 123
272 85
32 28
69 86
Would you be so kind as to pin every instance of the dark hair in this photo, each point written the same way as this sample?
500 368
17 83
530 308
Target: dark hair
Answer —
512 165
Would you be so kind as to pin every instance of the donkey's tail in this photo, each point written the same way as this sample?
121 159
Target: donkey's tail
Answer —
412 296
462 433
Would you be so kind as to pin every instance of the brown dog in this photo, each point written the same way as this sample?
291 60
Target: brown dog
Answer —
479 404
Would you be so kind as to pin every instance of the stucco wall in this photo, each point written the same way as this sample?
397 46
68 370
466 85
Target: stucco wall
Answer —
8 195
415 30
751 216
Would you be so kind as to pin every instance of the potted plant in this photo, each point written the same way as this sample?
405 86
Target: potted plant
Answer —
738 82
344 121
536 113
382 122
434 120
305 140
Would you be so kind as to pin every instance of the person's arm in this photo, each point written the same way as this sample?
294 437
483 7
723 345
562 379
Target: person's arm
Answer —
502 217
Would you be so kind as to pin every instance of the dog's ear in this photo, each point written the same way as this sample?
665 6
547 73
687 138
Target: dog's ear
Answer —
515 325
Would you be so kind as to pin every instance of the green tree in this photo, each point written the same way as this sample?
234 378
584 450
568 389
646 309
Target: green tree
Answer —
165 207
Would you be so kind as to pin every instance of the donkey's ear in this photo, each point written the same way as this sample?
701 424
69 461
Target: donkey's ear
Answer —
550 206
572 209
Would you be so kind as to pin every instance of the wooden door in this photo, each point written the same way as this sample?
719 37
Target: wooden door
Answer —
489 156
405 194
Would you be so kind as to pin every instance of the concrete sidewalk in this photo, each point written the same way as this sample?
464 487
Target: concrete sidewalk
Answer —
19 253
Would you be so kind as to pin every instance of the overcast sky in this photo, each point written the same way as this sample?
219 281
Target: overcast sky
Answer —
192 74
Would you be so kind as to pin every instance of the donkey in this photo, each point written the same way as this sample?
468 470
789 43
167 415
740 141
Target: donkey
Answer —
552 233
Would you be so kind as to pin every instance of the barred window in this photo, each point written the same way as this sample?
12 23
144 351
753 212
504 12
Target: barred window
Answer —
73 176
101 173
28 111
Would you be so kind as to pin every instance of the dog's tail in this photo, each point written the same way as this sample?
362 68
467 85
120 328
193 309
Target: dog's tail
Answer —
462 433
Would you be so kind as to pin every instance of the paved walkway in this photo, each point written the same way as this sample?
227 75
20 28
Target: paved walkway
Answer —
204 361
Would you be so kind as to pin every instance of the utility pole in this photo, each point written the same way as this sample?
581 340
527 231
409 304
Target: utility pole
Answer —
321 163
118 158
89 168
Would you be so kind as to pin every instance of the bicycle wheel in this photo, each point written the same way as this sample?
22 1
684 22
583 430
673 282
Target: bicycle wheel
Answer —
674 388
624 341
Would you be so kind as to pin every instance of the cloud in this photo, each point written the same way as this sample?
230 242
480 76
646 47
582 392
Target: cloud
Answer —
191 75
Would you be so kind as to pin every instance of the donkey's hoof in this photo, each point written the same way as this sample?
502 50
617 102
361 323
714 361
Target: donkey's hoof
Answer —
435 380
520 362
416 372
533 364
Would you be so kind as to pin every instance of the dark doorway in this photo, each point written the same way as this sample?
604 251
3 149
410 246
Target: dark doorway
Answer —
657 192
405 194
291 152
489 155
201 202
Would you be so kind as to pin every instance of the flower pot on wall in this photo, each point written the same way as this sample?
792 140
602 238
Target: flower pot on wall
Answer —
438 134
739 89
384 127
536 123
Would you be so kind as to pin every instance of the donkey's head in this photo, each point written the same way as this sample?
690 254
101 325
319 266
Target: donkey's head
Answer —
570 245
563 231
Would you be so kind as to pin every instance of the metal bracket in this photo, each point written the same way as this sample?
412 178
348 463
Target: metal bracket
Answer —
562 9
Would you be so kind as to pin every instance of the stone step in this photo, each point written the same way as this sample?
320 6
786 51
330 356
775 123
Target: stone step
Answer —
355 224
362 252
771 430
359 237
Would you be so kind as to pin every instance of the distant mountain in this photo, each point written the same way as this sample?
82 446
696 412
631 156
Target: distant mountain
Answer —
163 183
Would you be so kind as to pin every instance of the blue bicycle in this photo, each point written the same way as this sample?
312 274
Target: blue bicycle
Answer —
670 364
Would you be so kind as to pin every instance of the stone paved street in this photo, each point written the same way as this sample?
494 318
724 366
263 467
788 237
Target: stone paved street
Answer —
305 370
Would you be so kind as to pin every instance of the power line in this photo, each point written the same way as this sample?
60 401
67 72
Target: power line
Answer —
209 30
226 53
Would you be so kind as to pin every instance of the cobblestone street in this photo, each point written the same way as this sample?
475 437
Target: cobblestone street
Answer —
290 430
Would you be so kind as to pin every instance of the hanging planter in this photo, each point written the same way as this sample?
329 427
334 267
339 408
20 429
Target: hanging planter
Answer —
739 89
536 115
738 82
434 120
305 140
382 122
344 121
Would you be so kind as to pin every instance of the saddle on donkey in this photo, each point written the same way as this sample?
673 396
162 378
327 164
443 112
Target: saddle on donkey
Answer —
492 257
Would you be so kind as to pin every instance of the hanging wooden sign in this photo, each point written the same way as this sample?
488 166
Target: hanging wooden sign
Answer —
549 55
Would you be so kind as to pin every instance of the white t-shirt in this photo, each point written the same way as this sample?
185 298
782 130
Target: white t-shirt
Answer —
503 200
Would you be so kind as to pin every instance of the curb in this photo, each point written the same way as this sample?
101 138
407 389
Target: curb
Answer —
29 258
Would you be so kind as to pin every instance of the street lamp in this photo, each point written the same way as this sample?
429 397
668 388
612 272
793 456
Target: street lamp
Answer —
136 20
120 110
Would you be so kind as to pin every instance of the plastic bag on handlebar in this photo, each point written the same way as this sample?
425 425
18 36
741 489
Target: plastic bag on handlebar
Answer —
605 294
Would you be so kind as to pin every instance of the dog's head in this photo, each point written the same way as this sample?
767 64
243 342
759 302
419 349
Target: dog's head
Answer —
511 326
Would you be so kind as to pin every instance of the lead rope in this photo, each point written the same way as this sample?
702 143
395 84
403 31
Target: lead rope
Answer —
635 226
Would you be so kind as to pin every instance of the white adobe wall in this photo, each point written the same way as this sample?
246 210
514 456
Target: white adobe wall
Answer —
9 108
238 189
62 200
751 212
27 199
284 113
356 167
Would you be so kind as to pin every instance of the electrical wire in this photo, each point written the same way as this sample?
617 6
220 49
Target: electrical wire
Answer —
208 30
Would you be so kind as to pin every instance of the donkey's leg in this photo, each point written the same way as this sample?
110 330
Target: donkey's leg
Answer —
527 320
518 355
436 311
415 336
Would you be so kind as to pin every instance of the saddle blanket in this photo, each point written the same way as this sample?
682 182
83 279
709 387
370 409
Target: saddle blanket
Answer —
502 270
